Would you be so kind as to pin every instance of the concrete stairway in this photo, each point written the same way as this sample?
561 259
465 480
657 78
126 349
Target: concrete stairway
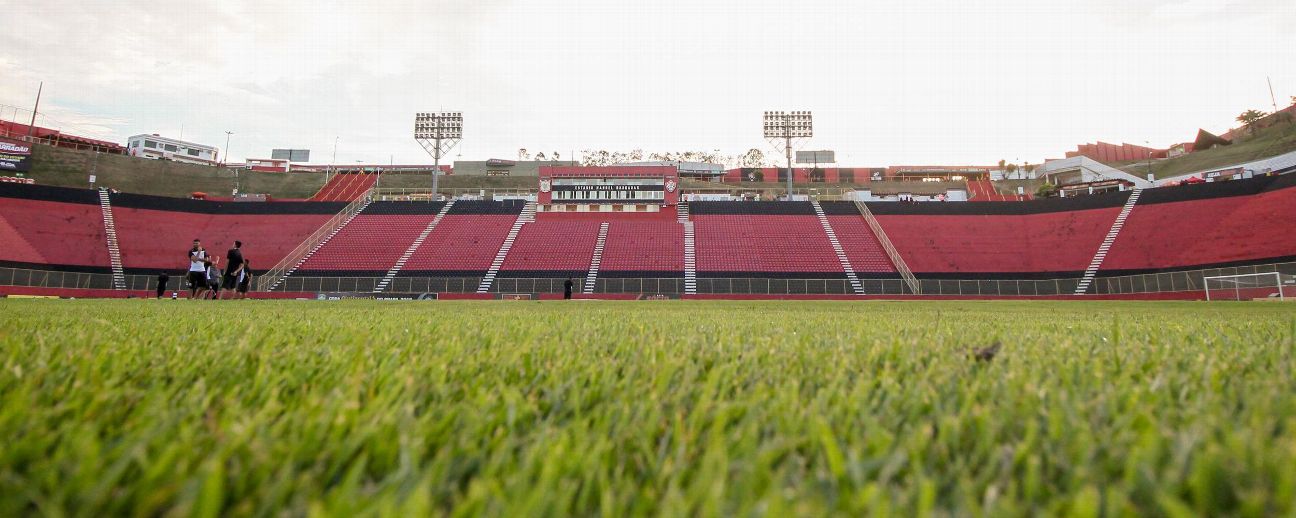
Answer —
837 248
690 249
527 215
1092 271
592 277
114 251
409 252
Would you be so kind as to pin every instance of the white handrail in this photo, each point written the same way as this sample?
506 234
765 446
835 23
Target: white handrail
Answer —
896 260
272 277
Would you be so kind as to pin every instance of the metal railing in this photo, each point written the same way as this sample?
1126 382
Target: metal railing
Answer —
890 249
272 277
1164 282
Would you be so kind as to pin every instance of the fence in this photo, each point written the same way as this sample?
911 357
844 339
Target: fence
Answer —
1180 281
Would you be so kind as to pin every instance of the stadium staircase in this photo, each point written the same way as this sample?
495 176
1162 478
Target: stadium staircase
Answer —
690 250
1092 271
892 253
272 278
409 252
592 277
110 231
984 190
837 248
346 187
527 215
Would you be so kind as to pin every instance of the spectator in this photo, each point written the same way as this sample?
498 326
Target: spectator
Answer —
567 289
197 268
233 269
162 283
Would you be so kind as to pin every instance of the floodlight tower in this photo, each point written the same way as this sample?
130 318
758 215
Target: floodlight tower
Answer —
787 126
438 133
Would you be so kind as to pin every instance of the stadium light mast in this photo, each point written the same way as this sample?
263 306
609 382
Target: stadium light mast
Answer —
438 133
788 126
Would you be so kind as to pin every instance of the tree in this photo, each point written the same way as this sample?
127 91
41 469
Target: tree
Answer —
540 157
1294 99
523 154
1046 191
1249 118
1001 164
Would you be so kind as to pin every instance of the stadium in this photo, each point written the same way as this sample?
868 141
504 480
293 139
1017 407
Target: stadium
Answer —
702 307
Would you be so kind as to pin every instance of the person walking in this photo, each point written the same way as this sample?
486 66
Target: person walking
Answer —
233 270
567 289
162 283
213 275
197 268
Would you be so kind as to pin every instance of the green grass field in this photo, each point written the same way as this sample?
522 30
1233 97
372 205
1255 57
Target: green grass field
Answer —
161 408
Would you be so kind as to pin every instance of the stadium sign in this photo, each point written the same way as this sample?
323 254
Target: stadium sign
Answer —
816 157
15 155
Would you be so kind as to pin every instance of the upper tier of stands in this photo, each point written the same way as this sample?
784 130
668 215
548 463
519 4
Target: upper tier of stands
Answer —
345 187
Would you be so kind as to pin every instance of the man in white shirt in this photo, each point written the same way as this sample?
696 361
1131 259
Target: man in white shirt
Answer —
197 268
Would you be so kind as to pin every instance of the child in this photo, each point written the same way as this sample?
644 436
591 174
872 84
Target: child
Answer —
213 280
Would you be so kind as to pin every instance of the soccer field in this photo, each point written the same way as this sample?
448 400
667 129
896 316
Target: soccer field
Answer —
143 407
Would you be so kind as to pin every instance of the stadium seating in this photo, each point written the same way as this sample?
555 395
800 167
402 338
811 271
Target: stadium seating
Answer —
1194 232
552 248
372 242
861 246
771 238
645 248
1040 244
152 240
984 190
345 187
65 235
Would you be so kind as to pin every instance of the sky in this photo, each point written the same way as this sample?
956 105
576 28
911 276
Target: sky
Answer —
949 82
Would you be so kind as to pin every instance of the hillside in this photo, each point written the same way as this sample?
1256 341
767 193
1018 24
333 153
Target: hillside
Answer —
1271 141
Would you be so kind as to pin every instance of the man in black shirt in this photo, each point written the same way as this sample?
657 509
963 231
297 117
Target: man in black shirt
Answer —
567 289
233 268
162 284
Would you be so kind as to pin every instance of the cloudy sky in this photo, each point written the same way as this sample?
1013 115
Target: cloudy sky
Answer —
890 82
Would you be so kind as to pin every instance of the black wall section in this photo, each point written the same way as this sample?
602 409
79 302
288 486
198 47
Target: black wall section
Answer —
46 193
463 207
755 208
403 207
143 201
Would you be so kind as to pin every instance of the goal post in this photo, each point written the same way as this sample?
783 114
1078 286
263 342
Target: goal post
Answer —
1249 286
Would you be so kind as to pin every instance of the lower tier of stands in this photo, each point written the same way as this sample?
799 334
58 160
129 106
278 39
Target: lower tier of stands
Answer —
731 245
39 232
155 240
1173 228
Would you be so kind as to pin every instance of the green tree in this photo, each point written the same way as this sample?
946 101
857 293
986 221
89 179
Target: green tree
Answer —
1047 190
1250 117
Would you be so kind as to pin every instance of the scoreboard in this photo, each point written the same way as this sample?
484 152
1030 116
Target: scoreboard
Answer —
608 189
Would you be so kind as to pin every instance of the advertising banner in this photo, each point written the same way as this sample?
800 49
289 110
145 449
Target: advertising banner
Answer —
15 156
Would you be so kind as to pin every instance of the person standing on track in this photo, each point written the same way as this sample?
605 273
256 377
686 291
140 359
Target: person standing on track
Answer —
567 289
197 268
233 270
162 284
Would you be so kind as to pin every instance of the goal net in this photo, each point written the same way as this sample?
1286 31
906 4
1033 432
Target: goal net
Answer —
1270 285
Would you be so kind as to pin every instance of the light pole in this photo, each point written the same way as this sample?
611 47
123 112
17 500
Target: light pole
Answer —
786 126
332 163
227 140
438 133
